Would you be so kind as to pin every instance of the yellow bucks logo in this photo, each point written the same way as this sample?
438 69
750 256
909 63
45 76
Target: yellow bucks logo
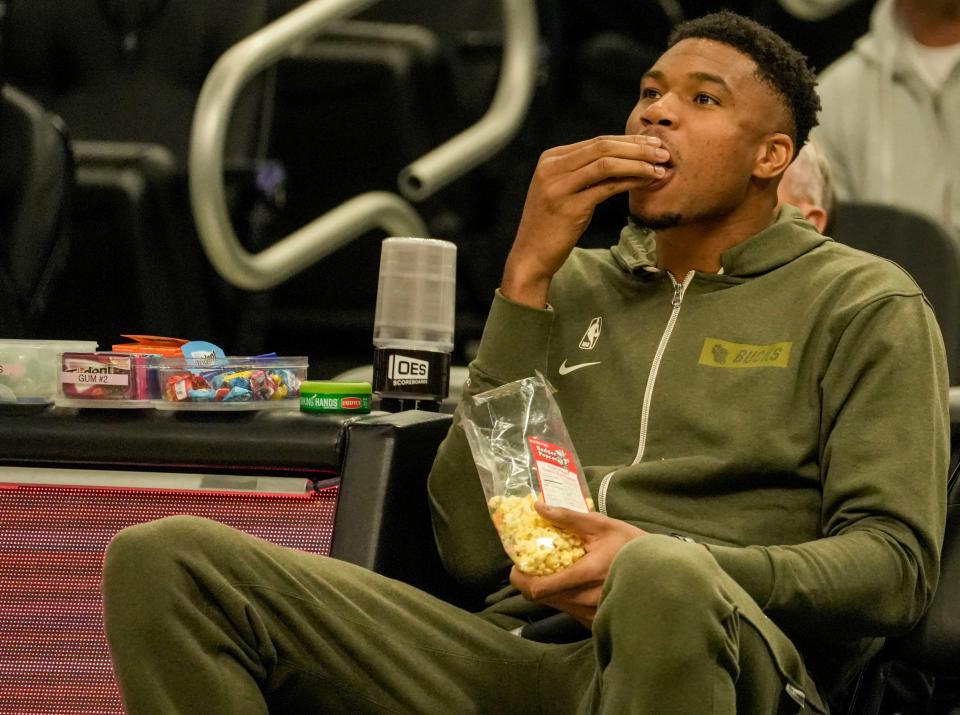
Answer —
723 353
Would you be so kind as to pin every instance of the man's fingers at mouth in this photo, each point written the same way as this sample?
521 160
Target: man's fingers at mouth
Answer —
642 139
617 168
609 150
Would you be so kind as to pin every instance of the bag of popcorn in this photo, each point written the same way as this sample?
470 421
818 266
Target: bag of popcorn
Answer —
523 453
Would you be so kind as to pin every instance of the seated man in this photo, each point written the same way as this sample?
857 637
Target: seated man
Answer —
806 184
775 399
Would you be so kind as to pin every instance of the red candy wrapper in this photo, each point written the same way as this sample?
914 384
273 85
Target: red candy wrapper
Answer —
179 385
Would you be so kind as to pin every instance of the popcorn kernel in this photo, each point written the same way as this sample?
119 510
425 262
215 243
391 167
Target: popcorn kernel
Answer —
536 546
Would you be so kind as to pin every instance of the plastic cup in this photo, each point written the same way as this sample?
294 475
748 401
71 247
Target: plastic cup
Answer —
416 294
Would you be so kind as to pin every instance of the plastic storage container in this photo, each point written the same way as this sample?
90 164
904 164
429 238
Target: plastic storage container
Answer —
30 369
233 383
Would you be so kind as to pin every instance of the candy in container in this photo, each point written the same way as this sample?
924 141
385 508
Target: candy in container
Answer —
523 453
223 383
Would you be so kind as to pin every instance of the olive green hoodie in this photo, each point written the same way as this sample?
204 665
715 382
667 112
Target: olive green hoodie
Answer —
790 412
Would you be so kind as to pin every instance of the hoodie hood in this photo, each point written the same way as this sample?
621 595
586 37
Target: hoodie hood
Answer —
882 45
786 239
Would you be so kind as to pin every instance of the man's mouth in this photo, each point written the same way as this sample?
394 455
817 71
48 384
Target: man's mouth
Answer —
669 168
668 171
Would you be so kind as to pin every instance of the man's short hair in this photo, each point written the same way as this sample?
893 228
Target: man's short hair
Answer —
778 64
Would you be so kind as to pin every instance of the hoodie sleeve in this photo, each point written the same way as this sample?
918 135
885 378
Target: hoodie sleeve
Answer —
884 452
515 343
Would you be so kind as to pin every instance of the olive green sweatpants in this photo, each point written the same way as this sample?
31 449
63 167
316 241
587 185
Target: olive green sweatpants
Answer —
205 619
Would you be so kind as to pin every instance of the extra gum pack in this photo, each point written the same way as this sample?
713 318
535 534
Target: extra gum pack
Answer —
105 376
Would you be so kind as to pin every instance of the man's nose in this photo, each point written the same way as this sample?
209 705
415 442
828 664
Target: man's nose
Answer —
660 113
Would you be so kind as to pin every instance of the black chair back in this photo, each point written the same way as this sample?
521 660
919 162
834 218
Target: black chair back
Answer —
933 646
930 652
36 177
922 247
125 76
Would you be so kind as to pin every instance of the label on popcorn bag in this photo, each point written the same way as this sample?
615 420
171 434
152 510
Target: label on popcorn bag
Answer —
556 472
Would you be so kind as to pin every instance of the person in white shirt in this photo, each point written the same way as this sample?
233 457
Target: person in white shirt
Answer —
890 124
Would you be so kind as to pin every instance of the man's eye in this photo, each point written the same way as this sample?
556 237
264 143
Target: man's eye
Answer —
649 93
702 98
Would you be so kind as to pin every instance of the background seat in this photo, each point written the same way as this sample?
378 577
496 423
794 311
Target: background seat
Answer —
36 177
352 108
133 261
125 76
920 246
129 70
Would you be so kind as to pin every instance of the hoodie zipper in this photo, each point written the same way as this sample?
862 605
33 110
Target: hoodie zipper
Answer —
678 291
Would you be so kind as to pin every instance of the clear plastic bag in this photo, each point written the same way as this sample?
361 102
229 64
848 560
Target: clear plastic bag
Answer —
523 453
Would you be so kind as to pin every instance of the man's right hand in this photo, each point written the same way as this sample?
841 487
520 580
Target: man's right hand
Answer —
568 184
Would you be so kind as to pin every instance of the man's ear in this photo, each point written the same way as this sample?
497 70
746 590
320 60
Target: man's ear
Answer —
773 156
817 216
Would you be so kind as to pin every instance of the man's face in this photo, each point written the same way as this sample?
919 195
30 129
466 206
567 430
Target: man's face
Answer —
713 114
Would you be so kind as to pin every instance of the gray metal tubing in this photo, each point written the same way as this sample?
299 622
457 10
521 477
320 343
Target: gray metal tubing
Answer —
452 159
358 215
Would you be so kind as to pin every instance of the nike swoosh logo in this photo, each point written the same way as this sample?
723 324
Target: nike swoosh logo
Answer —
565 370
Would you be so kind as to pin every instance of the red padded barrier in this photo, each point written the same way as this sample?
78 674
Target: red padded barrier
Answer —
53 653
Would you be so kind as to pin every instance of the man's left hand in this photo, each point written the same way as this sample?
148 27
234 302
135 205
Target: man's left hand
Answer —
576 589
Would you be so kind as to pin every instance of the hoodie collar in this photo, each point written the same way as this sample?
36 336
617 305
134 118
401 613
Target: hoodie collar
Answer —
787 238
